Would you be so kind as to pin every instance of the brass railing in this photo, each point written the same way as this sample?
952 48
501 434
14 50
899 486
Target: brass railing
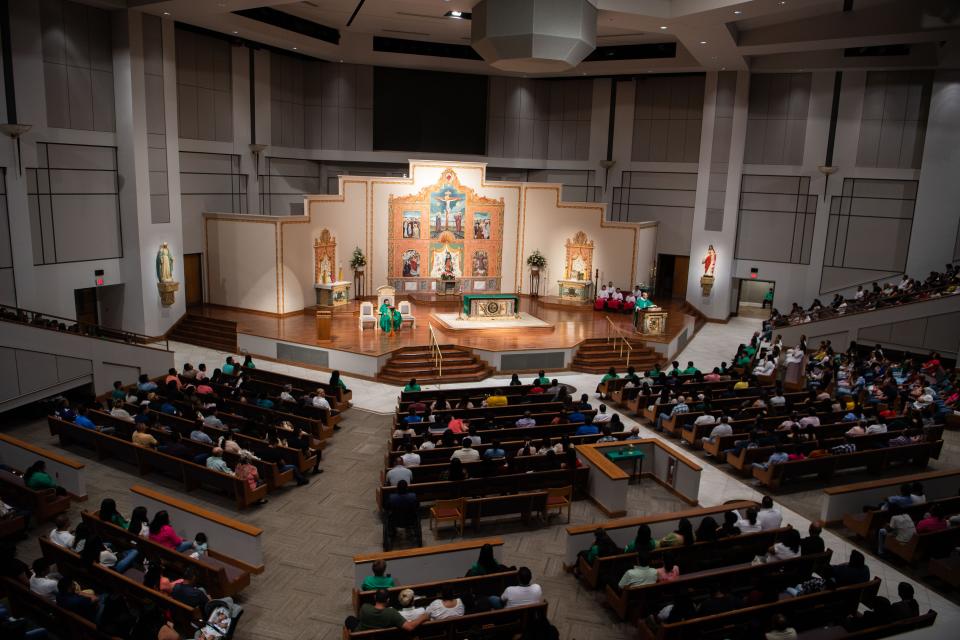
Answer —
617 335
435 351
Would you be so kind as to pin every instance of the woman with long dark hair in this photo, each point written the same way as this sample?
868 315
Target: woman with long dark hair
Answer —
108 513
643 541
139 522
36 477
486 563
162 533
707 531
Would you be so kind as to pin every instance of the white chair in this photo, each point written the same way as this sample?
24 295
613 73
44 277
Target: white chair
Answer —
406 313
366 315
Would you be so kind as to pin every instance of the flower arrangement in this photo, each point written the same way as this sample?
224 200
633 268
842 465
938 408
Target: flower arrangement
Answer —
358 261
536 260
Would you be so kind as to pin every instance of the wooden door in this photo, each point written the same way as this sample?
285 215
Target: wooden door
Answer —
193 277
681 264
85 301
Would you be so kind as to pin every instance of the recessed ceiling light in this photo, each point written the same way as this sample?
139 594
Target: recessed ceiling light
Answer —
294 48
235 32
737 12
166 13
456 14
783 2
723 68
703 42
663 27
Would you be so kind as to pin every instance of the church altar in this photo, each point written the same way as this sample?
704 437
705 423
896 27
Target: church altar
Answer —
332 294
578 290
490 306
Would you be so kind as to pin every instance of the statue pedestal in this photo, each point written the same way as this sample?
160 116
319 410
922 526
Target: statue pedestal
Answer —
447 287
167 289
706 284
333 294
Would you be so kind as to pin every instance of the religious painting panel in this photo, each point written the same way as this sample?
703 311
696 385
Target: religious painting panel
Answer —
457 231
481 225
411 263
481 263
446 260
411 224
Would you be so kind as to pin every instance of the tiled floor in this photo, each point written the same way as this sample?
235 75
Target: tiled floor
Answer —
312 533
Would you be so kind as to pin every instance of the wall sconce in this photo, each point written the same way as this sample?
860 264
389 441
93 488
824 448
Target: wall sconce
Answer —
607 165
827 171
257 149
14 130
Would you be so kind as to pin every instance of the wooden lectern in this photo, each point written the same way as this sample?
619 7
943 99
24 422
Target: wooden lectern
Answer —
652 322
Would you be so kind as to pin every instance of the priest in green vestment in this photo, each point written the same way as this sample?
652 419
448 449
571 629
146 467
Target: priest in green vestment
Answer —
643 302
386 318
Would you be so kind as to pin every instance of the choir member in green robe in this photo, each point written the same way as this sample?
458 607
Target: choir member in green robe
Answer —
386 318
397 319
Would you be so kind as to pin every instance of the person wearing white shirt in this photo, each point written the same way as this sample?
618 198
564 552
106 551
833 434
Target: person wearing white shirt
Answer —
42 582
602 416
410 459
750 524
766 368
119 412
522 594
810 420
616 295
320 400
860 293
604 294
409 612
704 420
466 452
779 400
61 536
285 395
446 606
428 444
768 517
876 428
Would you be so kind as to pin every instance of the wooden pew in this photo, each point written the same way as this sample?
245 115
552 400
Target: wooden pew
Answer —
490 584
429 395
699 555
106 579
441 455
806 611
876 459
43 612
44 504
525 504
502 623
555 431
924 545
478 487
850 500
433 472
639 601
69 473
262 375
217 577
192 475
866 524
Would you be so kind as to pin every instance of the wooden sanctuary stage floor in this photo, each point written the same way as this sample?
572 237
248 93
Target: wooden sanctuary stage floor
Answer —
571 325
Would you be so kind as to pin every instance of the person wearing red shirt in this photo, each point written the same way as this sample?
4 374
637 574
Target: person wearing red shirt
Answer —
933 521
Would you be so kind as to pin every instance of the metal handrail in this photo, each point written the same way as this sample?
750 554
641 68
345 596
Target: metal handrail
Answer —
438 357
51 322
619 335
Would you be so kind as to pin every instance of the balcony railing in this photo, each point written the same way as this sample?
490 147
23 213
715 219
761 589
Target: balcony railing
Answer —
67 325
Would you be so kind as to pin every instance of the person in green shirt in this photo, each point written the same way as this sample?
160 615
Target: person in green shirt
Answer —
655 373
603 546
644 540
118 393
336 381
36 477
248 362
541 378
631 375
486 563
690 370
397 319
767 299
378 580
412 385
611 374
229 367
108 513
676 369
380 615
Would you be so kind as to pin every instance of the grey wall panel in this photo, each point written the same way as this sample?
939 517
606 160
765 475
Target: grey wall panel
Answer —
316 357
880 243
667 119
58 102
539 118
69 368
204 87
777 116
9 384
524 361
941 332
893 119
85 227
79 96
36 370
8 292
187 111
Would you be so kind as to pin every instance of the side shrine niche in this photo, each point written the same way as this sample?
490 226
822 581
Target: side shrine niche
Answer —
325 258
579 261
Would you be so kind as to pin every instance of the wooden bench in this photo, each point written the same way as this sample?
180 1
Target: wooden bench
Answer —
441 455
262 375
433 472
438 562
555 431
937 544
69 473
217 577
105 579
192 475
479 487
851 499
699 555
812 610
524 504
873 460
502 623
633 603
489 584
45 613
43 504
867 523
947 569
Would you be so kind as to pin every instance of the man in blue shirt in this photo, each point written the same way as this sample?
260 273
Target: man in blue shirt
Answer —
229 367
588 429
78 603
902 501
495 451
679 407
777 457
412 417
83 421
145 384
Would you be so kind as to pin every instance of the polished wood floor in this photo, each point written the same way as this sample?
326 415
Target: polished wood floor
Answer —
571 326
